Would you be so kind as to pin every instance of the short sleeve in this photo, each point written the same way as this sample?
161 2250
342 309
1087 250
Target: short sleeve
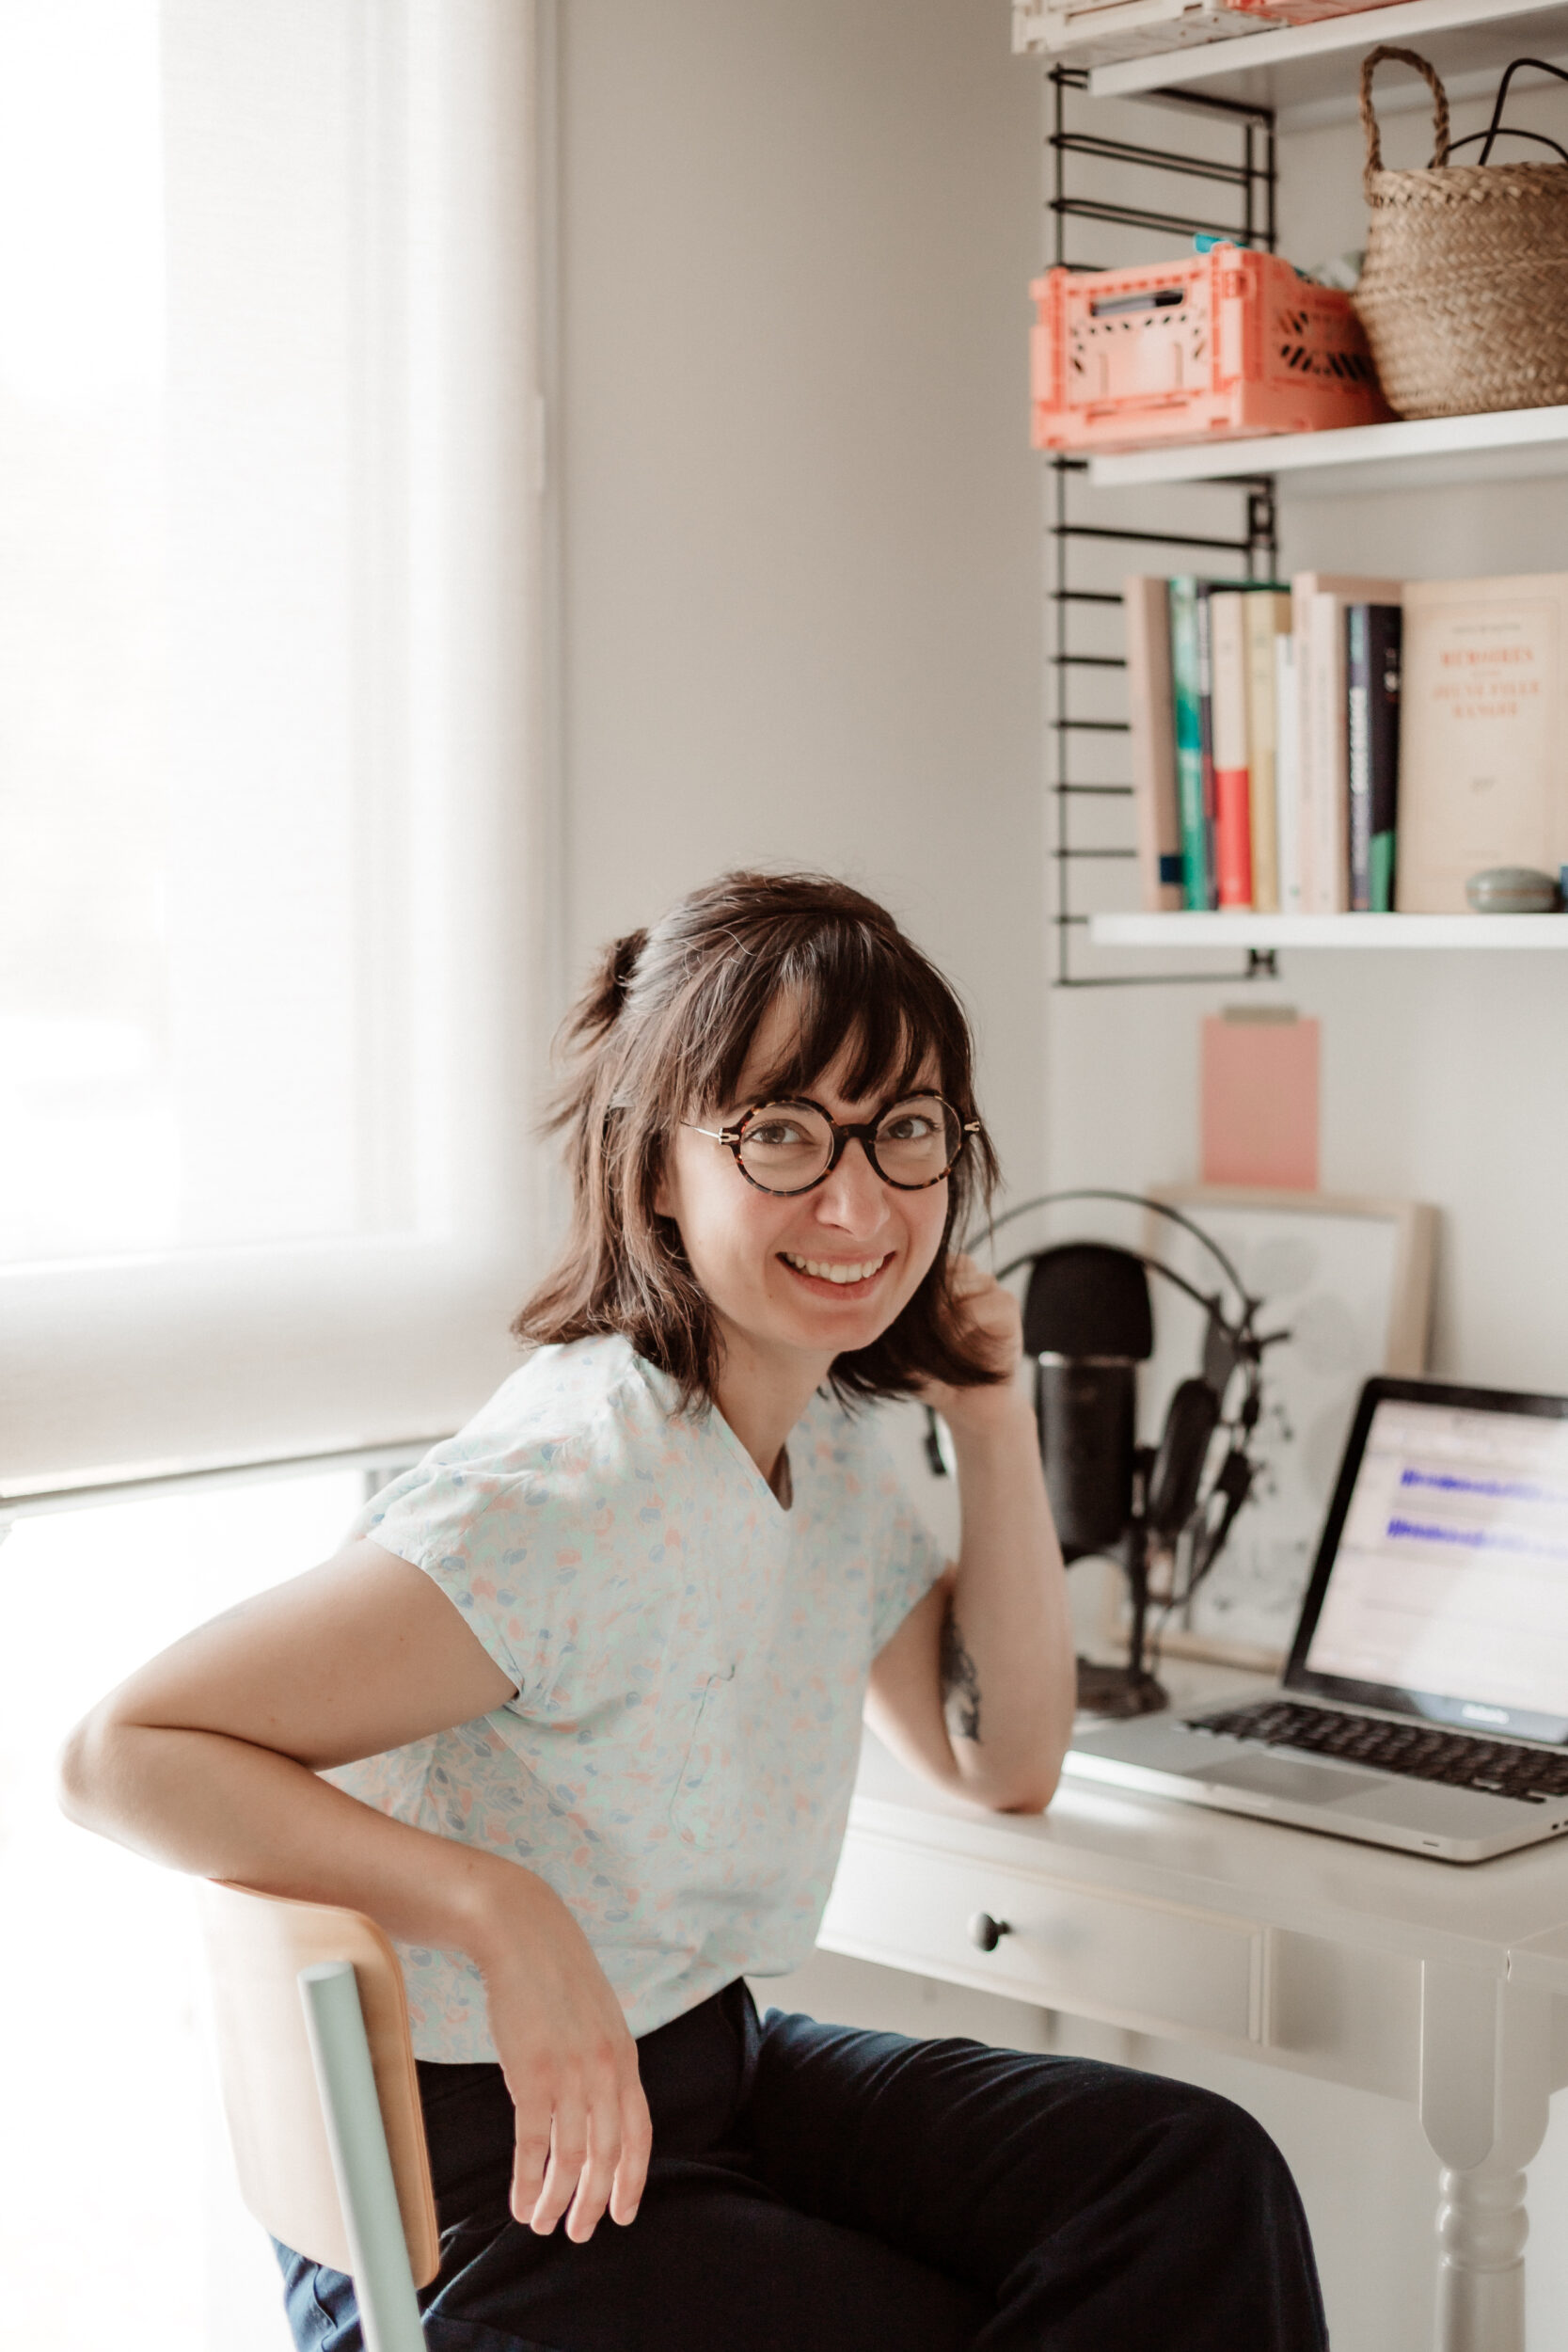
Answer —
475 1533
910 1560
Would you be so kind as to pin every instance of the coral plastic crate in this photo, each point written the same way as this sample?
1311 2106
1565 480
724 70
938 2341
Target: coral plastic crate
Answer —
1229 342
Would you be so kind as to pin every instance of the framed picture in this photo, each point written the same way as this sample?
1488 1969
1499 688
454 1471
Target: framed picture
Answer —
1348 1282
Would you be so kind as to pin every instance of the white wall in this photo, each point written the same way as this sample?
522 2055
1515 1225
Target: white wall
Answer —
800 510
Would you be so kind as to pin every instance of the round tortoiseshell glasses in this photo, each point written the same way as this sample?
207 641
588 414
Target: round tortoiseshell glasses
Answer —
791 1146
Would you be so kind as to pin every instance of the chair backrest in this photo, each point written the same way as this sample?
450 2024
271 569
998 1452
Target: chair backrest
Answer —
257 1946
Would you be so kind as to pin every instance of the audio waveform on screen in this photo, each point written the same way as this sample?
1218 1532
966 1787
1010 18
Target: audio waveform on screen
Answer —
1491 1489
1477 1539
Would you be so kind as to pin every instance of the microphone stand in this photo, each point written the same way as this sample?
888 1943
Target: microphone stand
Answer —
1120 1691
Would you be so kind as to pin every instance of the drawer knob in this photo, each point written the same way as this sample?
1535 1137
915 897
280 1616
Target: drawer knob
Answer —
985 1933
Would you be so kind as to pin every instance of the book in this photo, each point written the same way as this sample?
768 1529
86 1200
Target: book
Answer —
1317 607
1484 734
1287 773
1188 731
1326 863
1373 751
1203 591
1232 789
1268 618
1151 715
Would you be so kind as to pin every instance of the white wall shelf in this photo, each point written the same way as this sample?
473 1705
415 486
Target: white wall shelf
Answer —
1308 73
1426 452
1330 931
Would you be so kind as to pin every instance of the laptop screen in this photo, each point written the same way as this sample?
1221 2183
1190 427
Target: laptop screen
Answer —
1442 1588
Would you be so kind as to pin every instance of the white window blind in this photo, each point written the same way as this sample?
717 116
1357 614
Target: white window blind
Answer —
271 899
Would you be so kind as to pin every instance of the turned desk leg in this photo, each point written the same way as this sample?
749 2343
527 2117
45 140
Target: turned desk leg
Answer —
1485 2071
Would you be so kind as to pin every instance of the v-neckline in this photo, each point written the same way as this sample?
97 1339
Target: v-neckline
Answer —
781 1509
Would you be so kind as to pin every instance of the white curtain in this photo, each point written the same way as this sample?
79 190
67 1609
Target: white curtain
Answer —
272 860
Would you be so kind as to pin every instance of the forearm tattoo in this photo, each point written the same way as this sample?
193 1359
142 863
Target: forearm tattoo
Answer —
960 1683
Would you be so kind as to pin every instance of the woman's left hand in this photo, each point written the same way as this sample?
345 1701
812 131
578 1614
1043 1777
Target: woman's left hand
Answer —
991 1315
977 1685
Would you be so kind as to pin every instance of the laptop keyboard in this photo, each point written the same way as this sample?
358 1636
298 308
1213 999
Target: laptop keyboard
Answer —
1495 1766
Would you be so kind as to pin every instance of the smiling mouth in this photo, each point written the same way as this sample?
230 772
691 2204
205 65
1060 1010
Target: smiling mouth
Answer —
841 1274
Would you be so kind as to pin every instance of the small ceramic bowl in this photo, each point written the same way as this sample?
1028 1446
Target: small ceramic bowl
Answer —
1512 890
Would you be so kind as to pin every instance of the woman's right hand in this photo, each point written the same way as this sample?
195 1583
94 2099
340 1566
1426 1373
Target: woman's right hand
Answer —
584 2134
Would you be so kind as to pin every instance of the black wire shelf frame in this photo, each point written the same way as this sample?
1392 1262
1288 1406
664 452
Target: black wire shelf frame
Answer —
1253 177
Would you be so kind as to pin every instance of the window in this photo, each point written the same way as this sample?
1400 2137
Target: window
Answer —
90 1159
269 891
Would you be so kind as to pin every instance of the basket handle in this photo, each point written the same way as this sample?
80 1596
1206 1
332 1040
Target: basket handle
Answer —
1494 130
1369 119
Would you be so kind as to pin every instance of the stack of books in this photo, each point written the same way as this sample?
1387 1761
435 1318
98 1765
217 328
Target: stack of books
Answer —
1343 744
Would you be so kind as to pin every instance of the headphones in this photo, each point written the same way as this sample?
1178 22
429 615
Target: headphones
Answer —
1087 1323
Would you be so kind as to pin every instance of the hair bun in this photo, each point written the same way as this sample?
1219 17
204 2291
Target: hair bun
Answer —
621 964
600 1008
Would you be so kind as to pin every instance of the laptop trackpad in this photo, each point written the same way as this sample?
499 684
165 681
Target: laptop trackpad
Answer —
1299 1784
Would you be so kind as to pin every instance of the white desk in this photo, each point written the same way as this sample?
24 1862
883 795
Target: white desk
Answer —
1447 1986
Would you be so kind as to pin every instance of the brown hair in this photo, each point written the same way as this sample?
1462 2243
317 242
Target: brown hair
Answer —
664 1027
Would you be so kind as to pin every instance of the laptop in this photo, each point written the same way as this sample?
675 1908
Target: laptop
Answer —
1425 1701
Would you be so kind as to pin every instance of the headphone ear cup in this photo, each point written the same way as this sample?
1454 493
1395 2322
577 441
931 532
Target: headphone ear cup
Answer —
1173 1483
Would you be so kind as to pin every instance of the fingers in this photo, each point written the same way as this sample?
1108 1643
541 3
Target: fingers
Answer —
533 2145
568 2155
592 2156
976 1288
599 2173
636 2147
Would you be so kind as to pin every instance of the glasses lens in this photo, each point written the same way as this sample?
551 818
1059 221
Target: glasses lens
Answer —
786 1147
918 1140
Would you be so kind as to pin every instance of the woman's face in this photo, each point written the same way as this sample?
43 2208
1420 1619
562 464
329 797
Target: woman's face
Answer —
766 1263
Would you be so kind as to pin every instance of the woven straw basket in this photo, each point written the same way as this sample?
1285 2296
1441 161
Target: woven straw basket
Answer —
1464 292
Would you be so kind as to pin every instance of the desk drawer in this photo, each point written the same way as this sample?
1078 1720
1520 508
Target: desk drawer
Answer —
1153 1966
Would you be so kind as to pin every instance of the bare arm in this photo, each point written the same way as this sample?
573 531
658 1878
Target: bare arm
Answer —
207 1759
976 1688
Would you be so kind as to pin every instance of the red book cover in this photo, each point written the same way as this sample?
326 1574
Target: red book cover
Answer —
1232 770
1234 835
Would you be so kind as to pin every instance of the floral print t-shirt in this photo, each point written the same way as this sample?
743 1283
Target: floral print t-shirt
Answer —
691 1662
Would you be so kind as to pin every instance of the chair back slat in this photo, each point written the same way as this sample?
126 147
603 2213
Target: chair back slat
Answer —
257 1946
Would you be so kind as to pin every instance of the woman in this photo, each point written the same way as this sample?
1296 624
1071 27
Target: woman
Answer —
575 1713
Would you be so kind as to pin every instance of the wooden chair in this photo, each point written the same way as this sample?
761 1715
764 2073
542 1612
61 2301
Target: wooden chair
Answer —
321 2097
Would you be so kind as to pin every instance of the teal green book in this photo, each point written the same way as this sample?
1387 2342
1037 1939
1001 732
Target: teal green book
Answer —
1192 815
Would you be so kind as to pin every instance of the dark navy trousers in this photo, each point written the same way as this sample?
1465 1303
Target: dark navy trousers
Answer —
819 2189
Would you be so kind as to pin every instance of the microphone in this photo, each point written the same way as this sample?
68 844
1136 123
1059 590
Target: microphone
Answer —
1088 1324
